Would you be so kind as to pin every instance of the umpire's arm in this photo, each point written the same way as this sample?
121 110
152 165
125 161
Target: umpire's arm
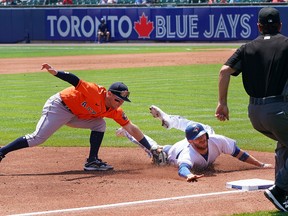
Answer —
222 111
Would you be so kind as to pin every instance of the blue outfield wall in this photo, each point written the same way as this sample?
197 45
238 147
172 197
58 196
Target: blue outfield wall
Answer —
205 24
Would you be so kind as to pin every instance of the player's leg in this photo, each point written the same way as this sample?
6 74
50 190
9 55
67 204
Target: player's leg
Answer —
174 121
169 121
97 127
107 36
54 115
99 33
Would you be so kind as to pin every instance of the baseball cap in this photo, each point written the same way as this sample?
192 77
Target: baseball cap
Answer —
268 15
194 131
120 90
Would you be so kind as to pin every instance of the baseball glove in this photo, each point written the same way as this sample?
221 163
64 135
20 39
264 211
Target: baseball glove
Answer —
160 158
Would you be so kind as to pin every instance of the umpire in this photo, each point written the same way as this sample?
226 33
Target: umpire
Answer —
264 66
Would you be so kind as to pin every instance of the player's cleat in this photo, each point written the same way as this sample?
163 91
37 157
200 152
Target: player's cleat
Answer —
97 165
277 198
158 113
121 132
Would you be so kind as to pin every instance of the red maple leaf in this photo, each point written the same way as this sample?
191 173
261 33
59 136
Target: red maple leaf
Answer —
144 27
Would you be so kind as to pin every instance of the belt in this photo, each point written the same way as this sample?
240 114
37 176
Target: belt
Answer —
63 103
268 100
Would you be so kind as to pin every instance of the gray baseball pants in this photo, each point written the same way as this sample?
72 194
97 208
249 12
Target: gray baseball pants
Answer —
272 121
54 116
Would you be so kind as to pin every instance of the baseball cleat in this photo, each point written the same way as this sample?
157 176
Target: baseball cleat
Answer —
97 165
279 200
158 113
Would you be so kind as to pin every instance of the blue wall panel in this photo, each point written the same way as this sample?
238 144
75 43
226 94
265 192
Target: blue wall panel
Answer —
205 24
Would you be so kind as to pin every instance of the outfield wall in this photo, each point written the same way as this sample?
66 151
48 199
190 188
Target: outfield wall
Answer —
190 24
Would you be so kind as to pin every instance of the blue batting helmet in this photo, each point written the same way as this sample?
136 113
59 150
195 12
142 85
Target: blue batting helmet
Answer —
194 131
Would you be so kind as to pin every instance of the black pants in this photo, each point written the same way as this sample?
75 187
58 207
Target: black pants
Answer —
272 121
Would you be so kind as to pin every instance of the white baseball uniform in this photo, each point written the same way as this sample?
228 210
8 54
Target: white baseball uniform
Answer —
173 151
180 123
217 144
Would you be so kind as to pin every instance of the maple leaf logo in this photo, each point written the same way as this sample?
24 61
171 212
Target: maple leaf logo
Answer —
144 27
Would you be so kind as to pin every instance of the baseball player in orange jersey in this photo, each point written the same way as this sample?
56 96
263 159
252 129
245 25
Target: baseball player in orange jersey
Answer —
84 105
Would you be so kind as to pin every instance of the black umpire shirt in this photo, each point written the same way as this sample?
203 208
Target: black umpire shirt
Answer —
264 65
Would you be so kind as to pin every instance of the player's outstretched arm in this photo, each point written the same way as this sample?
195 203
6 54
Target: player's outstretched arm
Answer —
193 178
66 76
245 157
49 68
184 171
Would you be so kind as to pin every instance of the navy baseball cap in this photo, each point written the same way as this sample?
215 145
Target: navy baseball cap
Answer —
120 90
194 131
268 15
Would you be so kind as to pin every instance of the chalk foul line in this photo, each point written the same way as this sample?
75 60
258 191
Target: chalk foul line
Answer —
127 203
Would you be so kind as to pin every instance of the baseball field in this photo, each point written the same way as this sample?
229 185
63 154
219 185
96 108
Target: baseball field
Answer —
179 78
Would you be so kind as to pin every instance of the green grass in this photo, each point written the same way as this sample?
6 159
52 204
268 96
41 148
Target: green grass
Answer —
271 213
190 91
94 49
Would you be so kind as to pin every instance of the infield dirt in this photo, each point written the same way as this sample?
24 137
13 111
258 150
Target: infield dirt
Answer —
45 178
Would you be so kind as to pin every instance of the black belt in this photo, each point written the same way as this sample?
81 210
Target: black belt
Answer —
63 103
268 100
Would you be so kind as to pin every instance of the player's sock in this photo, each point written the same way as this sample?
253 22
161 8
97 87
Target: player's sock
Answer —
19 143
95 143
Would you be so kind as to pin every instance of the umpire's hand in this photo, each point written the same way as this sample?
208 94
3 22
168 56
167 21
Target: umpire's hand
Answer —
222 112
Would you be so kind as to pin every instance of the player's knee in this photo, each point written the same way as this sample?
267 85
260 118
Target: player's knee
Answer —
98 125
35 140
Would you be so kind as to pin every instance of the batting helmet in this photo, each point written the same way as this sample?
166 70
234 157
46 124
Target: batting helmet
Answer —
194 131
102 20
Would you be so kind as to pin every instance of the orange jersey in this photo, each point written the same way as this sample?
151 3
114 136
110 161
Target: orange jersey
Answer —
87 101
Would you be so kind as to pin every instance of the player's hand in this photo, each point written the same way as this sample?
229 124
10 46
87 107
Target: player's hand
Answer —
193 178
222 112
49 68
267 166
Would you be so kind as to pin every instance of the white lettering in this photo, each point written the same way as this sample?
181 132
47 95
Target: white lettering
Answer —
112 20
211 27
52 19
193 26
89 22
168 27
160 27
246 32
170 34
233 24
60 28
129 23
221 28
75 24
179 33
